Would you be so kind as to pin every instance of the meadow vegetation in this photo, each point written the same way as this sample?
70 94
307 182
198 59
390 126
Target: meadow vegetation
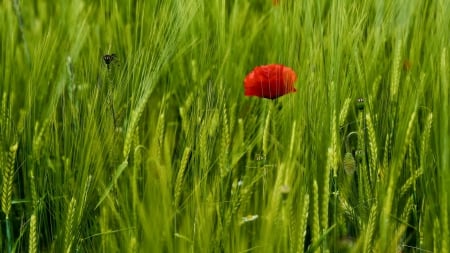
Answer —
160 151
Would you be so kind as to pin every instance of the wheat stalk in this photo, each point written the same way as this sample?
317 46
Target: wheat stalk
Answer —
180 176
409 206
395 78
425 139
370 229
203 143
303 223
159 140
68 234
33 240
8 176
225 145
344 112
34 195
315 218
372 145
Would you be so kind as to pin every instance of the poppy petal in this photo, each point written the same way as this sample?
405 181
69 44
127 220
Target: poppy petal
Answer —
270 81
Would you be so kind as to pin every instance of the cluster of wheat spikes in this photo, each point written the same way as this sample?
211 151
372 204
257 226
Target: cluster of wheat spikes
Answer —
158 150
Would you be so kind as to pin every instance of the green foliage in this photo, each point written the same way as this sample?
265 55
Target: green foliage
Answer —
159 150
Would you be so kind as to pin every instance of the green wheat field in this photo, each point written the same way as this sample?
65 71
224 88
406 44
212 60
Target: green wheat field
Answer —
157 149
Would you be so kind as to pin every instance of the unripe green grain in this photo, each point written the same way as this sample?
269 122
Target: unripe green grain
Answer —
411 180
344 112
395 75
134 120
203 143
303 224
8 176
38 135
33 238
180 176
34 195
372 146
370 229
68 234
326 190
225 145
408 138
315 227
424 143
293 140
409 206
4 114
159 136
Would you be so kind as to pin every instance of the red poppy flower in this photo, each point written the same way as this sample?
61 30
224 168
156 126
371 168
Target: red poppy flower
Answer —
270 81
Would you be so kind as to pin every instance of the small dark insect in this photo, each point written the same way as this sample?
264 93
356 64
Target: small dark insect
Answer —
108 58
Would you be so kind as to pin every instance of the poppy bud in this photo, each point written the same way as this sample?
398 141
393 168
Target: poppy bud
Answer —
360 103
285 191
349 163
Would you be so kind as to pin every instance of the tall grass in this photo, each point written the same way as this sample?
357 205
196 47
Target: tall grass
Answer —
160 151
